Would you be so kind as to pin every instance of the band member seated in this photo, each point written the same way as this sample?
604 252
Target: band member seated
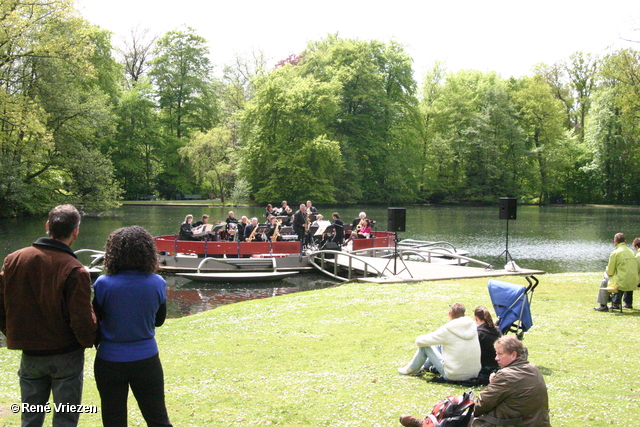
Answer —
204 220
311 208
186 230
269 210
321 223
338 229
283 208
242 225
365 230
201 231
285 216
250 231
274 230
319 236
231 218
357 223
300 225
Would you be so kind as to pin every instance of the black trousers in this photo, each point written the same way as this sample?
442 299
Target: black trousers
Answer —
146 379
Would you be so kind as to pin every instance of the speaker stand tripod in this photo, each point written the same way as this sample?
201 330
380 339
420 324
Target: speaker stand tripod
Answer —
395 271
507 255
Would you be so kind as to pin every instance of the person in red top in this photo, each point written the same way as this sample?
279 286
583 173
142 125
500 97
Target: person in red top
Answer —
46 311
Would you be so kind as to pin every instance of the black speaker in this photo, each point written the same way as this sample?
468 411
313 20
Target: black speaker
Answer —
508 207
397 219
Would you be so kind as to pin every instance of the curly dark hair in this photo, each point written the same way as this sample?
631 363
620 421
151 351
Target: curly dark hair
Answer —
130 248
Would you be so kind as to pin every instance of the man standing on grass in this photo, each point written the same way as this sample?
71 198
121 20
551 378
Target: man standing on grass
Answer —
46 311
621 274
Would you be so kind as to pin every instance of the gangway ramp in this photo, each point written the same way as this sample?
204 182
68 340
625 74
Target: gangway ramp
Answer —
374 269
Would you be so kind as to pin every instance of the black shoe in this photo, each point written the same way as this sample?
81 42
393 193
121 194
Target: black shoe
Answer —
615 306
409 421
601 308
627 306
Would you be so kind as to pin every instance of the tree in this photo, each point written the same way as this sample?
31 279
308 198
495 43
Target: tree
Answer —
185 90
209 155
181 72
376 118
288 152
613 132
476 145
541 117
583 74
136 54
137 149
56 82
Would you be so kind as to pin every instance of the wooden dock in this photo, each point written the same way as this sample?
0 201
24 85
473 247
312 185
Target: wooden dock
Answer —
416 271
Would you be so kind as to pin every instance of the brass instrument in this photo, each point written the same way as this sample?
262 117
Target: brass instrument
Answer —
306 221
276 232
253 234
360 225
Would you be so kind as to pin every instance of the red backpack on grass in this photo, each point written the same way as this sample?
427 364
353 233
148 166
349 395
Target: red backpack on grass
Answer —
454 411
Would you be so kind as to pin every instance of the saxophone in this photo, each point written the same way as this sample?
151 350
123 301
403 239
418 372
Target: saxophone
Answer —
276 232
252 235
360 225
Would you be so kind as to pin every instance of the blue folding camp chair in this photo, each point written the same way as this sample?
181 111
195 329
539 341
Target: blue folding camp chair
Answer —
512 303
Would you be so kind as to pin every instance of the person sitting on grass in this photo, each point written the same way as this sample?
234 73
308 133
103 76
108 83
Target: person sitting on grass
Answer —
488 333
453 350
516 394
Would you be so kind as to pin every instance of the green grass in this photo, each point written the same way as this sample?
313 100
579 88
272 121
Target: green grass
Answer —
329 357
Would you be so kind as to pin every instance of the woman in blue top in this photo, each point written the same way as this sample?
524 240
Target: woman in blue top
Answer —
130 301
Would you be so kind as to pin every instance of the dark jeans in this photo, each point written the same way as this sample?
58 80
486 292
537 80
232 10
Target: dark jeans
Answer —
626 296
147 384
41 375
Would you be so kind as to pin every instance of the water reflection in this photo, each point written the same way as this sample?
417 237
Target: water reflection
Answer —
185 297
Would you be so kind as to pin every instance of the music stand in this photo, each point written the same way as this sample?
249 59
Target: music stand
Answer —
395 261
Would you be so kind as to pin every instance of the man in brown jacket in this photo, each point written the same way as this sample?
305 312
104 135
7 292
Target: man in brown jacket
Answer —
45 311
516 394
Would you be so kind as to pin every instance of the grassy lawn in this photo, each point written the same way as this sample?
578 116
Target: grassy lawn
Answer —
329 357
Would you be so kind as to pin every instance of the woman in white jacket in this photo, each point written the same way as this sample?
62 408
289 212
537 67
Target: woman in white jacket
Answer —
453 350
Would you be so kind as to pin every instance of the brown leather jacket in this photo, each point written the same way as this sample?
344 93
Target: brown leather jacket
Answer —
45 299
518 391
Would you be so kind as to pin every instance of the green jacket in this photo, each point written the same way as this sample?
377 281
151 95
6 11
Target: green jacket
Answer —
623 268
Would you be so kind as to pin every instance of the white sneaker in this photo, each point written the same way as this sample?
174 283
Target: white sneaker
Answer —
408 371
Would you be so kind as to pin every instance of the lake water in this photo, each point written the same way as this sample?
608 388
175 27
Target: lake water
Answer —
555 239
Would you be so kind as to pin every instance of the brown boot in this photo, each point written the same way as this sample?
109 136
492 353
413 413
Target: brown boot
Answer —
409 421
